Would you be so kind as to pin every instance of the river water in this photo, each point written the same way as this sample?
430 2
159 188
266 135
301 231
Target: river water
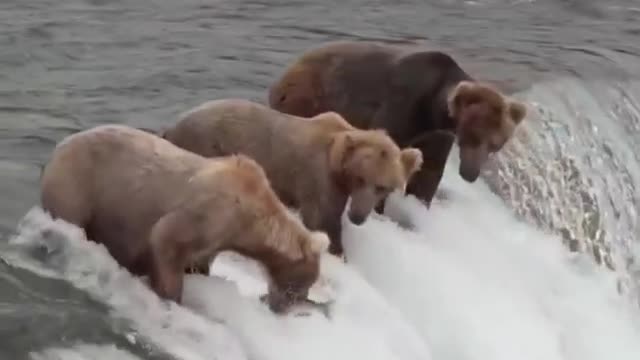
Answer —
537 260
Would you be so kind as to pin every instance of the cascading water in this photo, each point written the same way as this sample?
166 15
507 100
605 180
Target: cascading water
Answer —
484 274
575 171
473 279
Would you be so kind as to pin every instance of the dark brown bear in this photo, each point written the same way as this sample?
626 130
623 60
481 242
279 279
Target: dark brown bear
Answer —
423 99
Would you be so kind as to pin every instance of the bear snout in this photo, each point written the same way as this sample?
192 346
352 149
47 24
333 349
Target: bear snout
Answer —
277 301
469 174
357 219
471 161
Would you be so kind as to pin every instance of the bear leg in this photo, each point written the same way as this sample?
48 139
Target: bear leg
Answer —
335 248
326 218
202 269
168 257
435 147
335 240
166 282
333 228
380 207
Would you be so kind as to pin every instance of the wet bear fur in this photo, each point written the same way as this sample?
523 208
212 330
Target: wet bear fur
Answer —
158 209
314 165
422 98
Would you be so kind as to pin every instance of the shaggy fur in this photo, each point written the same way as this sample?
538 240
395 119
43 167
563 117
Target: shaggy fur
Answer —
421 98
314 165
158 208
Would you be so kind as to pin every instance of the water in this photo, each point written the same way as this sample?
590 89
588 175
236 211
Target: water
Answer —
487 273
582 158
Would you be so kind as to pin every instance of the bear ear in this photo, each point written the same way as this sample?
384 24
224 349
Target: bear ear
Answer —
517 111
456 96
319 242
342 144
411 160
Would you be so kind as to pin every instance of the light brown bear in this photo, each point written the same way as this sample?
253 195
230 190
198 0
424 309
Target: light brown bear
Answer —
314 165
158 208
421 98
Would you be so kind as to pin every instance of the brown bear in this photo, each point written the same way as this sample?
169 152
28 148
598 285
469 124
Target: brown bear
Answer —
421 98
158 208
314 166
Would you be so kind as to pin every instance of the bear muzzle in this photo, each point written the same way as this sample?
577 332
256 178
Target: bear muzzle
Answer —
471 161
469 174
361 204
356 218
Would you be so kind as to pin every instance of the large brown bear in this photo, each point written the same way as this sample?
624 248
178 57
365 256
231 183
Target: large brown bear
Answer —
313 165
158 208
421 98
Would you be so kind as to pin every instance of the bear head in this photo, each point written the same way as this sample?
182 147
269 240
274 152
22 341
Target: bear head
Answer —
292 278
368 165
485 120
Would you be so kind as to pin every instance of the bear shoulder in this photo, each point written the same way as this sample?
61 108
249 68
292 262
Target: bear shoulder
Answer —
248 183
434 58
217 106
246 175
330 122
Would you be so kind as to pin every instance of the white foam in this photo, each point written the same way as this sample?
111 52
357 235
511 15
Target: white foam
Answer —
233 323
478 284
361 323
573 166
470 282
88 266
83 352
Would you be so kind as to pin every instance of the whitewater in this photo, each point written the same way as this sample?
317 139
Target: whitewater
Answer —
471 278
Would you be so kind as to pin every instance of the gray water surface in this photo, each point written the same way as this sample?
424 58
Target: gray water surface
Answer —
69 65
